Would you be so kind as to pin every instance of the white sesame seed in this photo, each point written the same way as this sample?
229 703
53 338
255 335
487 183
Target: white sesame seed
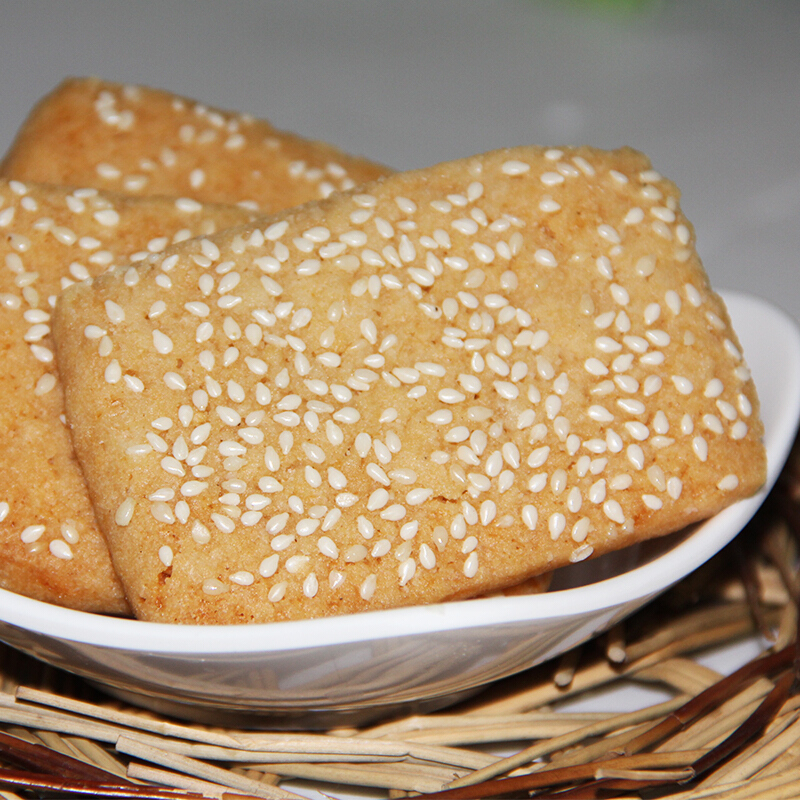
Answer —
269 566
305 527
613 510
739 430
652 384
607 345
600 414
652 501
368 586
174 381
161 342
451 396
124 512
470 568
700 448
200 433
673 301
637 430
635 456
213 586
514 167
406 571
595 367
418 496
619 294
107 216
277 592
394 512
551 178
682 384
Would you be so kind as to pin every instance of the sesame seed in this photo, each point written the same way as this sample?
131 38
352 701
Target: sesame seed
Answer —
619 294
682 384
368 586
581 553
406 571
635 456
700 448
595 367
613 510
551 178
514 167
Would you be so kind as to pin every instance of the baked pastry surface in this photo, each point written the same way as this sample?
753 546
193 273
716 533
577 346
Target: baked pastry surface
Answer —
432 387
50 546
142 141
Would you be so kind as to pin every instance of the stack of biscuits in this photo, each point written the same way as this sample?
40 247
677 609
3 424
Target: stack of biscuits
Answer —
251 378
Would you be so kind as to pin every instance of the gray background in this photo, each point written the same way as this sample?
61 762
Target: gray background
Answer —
710 90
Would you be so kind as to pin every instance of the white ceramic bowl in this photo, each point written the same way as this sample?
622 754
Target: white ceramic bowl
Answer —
356 668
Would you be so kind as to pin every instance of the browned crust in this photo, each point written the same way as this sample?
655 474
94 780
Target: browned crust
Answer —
573 208
144 141
42 486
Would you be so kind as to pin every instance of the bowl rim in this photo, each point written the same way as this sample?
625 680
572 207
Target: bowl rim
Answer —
632 586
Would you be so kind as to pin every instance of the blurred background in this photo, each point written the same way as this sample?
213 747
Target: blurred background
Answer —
709 89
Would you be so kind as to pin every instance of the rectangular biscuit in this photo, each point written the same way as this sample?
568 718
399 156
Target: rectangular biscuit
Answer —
433 387
142 141
50 546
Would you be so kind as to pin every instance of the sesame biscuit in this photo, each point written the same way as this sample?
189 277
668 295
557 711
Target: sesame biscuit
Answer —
433 387
50 546
143 141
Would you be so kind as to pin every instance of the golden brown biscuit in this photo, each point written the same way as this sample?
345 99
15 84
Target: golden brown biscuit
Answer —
50 546
143 141
434 387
